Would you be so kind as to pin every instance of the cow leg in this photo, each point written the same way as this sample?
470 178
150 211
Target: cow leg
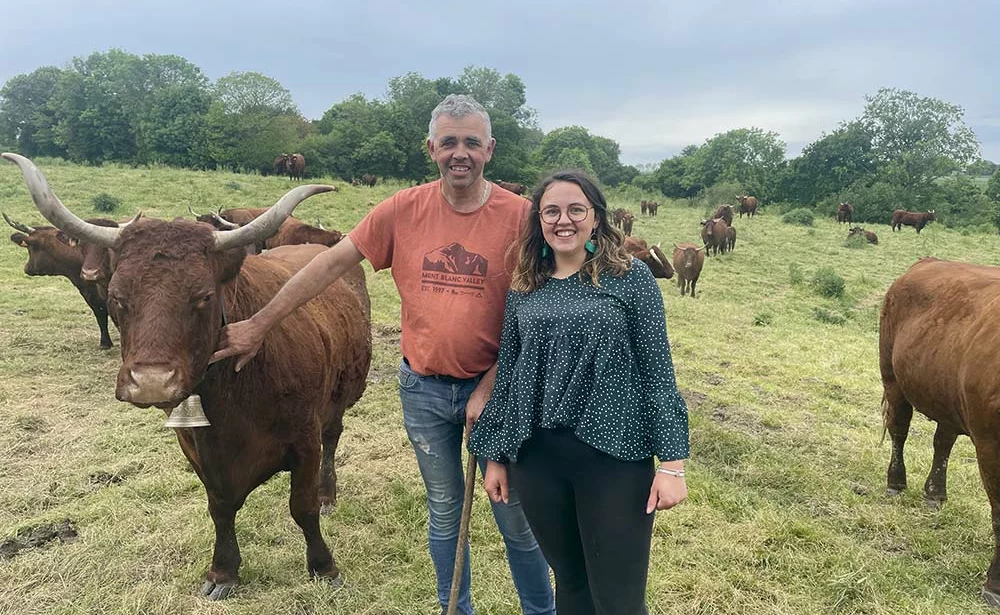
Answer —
897 413
102 324
304 506
935 489
223 575
988 456
328 471
693 282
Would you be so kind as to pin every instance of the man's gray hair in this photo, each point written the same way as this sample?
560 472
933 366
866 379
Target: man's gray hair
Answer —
459 105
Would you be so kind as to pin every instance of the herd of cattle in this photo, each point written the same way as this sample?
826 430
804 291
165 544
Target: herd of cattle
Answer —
226 265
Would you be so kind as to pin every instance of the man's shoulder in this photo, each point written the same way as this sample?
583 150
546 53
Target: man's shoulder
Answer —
418 193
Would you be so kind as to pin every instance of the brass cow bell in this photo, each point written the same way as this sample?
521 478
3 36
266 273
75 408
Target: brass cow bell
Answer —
188 414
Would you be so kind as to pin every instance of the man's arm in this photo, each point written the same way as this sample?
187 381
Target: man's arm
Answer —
243 339
479 397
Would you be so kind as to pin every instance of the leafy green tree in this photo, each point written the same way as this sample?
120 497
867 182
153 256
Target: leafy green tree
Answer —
379 155
917 140
982 168
749 156
26 118
600 155
830 164
253 93
498 93
993 187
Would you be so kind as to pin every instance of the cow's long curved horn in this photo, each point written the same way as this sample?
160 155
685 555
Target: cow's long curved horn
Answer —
267 224
55 212
134 218
222 222
655 257
24 228
193 212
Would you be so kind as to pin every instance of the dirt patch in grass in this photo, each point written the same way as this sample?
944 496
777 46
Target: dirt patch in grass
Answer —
34 537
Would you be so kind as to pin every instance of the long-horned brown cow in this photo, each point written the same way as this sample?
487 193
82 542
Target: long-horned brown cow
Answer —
939 332
173 285
688 261
295 164
845 213
651 255
292 231
748 205
52 252
917 220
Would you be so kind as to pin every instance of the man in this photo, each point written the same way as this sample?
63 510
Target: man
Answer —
446 243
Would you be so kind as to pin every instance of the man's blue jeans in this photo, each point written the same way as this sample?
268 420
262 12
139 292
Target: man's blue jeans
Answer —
434 416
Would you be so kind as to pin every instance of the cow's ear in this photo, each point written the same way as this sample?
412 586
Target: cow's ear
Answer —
227 264
20 239
66 239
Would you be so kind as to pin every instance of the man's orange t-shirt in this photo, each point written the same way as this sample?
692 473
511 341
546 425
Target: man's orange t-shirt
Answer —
452 270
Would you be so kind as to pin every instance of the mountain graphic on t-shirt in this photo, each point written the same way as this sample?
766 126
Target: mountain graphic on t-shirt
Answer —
455 259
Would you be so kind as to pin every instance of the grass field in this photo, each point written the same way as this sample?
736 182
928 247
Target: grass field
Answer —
786 515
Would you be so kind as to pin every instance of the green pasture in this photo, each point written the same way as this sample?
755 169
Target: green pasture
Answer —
786 515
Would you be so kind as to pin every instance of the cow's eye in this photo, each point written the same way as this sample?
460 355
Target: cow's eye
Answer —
117 303
203 301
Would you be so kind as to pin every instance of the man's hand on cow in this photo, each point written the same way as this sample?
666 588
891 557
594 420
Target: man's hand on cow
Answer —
240 339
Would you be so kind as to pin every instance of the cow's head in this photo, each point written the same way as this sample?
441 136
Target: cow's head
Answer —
166 288
50 251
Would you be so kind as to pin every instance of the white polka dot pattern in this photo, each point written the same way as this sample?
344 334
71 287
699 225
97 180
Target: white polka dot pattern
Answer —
596 360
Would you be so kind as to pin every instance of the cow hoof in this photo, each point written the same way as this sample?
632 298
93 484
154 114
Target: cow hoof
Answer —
990 597
934 504
334 582
107 347
326 508
893 492
217 591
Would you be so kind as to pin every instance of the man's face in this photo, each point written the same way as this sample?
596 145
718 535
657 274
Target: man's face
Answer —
460 149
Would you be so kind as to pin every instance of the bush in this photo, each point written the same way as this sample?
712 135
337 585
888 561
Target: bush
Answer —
231 185
801 216
830 317
105 203
827 282
762 319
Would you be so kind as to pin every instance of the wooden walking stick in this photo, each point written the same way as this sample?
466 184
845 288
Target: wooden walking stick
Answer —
463 534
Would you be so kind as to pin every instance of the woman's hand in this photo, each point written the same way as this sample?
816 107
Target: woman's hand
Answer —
495 482
666 492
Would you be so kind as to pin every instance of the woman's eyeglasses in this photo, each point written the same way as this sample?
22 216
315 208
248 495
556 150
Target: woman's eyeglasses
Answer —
576 213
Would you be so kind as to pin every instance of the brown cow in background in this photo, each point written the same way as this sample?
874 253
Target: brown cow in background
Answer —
53 252
715 235
845 213
651 207
281 164
291 232
730 238
627 220
284 410
654 258
296 166
939 331
368 180
617 216
868 235
643 206
915 219
748 205
725 212
688 262
514 187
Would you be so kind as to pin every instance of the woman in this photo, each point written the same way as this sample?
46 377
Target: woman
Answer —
585 396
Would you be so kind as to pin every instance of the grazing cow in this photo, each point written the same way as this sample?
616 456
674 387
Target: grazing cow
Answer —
748 205
283 410
281 164
654 258
715 235
915 219
868 235
643 205
514 187
296 166
627 220
845 213
368 180
725 212
651 207
688 261
730 239
52 252
938 335
292 231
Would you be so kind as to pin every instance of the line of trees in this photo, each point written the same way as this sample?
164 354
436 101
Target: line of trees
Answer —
902 151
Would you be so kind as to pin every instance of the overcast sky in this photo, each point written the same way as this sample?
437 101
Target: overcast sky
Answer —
653 76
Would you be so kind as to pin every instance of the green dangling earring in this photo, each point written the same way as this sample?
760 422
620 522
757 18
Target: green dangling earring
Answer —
545 250
590 247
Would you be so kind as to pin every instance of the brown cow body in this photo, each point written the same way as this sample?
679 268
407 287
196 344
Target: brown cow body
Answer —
748 205
295 164
281 164
917 220
688 261
643 206
654 258
651 207
514 187
715 235
173 286
845 213
868 235
368 180
52 252
627 221
725 212
938 337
